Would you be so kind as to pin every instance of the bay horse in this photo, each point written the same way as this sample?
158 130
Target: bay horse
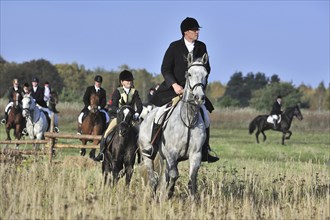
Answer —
36 121
184 133
53 101
120 147
15 118
92 124
260 123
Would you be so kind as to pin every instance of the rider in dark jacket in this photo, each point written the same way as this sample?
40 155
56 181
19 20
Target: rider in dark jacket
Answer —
173 69
276 111
96 88
15 88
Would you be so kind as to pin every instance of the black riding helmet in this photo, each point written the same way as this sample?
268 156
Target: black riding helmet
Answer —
98 78
189 24
35 79
126 75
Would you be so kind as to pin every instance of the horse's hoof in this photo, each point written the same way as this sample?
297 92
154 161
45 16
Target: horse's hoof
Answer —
82 152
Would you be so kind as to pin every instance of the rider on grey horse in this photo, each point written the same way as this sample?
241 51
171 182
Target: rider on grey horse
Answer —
276 111
173 69
38 93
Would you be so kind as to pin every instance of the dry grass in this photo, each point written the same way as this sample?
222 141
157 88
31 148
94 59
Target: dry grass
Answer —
73 189
250 181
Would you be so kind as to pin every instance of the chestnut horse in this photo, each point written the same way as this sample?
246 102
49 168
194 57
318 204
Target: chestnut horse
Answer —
15 118
93 124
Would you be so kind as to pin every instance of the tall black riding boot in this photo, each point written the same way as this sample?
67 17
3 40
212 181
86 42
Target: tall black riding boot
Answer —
100 156
206 148
154 139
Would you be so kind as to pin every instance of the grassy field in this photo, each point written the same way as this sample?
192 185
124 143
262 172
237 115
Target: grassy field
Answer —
251 181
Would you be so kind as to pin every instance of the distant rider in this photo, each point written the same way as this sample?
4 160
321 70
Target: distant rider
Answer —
96 88
276 111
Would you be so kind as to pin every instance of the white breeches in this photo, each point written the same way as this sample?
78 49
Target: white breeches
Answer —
107 118
49 112
10 104
161 114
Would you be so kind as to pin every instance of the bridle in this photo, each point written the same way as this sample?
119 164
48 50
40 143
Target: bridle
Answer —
191 88
191 105
124 122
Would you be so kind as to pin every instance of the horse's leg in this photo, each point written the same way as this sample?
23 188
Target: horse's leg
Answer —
153 181
92 153
263 133
129 173
283 137
290 133
195 162
117 166
173 174
39 136
8 132
257 136
83 150
105 171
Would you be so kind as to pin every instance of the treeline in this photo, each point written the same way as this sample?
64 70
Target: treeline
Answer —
254 90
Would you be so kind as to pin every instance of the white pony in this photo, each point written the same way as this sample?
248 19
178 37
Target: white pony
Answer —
36 121
184 132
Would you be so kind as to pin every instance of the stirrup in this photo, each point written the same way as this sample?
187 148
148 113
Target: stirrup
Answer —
56 129
148 153
24 131
3 121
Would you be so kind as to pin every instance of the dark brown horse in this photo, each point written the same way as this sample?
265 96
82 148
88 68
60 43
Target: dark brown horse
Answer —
53 101
121 147
92 124
15 118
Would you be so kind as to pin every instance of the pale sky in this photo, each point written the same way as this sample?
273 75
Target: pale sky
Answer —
287 38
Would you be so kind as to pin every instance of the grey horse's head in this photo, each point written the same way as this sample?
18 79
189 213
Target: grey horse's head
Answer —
28 104
196 77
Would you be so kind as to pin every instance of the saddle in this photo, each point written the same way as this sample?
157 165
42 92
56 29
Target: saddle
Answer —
167 112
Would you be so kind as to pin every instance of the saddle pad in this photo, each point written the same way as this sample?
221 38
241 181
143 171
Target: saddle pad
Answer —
270 119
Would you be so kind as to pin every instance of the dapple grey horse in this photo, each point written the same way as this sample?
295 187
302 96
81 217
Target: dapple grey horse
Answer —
184 131
36 121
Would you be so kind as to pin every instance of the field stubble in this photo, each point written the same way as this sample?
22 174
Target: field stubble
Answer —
251 181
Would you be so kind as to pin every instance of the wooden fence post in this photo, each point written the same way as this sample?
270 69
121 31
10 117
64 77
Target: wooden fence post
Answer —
51 140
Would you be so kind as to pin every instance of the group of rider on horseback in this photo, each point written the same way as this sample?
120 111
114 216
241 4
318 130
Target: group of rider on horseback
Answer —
174 68
41 96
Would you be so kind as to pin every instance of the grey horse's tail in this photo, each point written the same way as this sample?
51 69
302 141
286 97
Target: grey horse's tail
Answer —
253 124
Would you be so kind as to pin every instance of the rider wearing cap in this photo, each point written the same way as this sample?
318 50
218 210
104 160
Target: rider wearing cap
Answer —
125 94
173 69
276 111
15 88
96 88
38 94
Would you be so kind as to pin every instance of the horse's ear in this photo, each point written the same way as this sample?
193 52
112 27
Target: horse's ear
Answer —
205 58
190 58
